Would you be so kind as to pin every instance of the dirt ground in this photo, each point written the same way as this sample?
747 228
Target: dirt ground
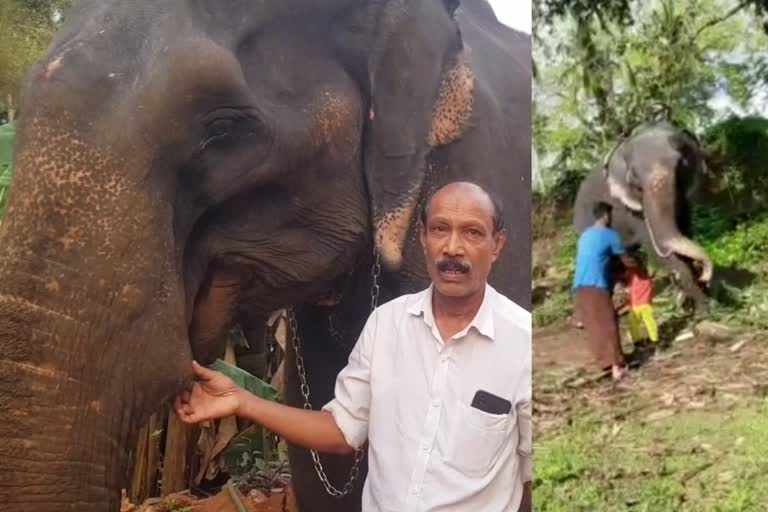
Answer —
708 367
255 501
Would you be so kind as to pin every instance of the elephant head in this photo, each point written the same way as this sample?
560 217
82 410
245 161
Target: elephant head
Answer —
652 173
175 161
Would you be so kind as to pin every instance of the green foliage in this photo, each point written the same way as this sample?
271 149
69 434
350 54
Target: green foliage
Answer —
607 66
252 451
558 306
738 157
7 138
743 247
26 29
566 256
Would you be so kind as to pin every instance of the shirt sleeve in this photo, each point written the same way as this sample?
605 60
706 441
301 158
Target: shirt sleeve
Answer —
524 408
350 406
617 247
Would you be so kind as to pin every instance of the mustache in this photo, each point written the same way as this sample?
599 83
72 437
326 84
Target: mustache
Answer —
453 264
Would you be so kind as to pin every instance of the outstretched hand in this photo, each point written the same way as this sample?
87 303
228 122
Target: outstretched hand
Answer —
213 396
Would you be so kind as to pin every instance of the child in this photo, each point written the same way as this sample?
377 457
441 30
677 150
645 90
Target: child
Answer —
640 286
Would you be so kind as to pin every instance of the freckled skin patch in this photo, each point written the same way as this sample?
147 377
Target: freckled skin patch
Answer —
392 230
336 113
454 106
82 258
659 178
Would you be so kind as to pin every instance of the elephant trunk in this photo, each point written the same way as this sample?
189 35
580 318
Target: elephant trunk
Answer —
92 328
659 206
63 441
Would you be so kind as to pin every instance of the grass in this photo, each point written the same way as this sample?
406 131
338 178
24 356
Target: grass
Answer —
700 461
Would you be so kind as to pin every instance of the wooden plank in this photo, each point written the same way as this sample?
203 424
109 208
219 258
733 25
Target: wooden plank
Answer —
146 465
137 492
178 455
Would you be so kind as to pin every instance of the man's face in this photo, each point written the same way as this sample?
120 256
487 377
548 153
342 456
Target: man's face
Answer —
458 240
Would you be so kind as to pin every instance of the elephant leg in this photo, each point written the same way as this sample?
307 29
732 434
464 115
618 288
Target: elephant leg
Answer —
322 364
686 279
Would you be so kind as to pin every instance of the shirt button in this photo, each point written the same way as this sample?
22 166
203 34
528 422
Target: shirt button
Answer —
425 448
444 358
435 403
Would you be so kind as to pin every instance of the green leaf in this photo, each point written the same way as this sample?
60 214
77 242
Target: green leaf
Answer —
245 380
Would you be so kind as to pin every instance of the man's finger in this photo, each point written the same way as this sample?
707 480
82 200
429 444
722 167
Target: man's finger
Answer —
177 406
203 373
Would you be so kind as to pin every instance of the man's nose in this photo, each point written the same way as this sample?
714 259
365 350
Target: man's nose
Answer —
455 245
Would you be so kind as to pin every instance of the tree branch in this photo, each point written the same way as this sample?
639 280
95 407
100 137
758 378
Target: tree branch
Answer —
715 21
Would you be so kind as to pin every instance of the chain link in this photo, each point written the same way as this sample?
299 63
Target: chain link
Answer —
359 453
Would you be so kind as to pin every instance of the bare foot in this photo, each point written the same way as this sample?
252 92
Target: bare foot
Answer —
619 373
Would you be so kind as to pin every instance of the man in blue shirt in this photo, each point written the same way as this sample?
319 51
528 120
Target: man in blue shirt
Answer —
593 288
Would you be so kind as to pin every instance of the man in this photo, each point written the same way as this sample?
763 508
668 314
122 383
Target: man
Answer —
439 382
593 286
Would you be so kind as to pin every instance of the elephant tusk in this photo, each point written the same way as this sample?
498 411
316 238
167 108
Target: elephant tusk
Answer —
618 192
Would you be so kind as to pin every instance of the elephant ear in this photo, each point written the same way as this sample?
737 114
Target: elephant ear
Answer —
415 77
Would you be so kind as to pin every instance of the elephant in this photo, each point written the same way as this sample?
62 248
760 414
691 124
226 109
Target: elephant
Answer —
181 166
649 178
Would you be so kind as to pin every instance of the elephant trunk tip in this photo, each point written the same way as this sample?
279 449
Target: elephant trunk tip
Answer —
390 252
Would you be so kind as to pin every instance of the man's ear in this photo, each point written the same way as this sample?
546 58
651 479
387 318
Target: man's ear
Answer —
422 236
499 239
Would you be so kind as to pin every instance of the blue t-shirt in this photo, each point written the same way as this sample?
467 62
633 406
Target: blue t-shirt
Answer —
593 255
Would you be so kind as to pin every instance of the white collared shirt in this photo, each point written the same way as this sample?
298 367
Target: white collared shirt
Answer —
409 393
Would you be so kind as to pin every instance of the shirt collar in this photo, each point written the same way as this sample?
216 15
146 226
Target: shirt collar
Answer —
483 321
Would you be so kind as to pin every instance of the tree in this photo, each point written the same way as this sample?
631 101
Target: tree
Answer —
26 29
607 66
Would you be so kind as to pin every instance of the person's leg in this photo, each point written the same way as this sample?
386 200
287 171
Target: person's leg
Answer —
576 318
603 329
646 313
634 325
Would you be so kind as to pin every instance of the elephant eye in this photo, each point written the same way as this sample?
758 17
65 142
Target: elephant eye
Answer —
217 130
227 128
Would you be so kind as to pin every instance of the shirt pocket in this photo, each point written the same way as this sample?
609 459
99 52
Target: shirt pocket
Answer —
476 439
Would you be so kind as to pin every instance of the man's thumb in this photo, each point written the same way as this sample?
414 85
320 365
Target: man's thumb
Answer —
202 372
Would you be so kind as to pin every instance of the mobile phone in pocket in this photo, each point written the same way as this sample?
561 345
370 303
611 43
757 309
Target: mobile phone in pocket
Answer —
490 403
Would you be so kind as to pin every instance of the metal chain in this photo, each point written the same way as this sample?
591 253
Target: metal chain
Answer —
359 453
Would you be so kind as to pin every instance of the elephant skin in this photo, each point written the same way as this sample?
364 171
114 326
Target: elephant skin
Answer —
182 165
649 180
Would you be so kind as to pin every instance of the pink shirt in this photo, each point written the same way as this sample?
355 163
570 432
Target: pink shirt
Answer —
640 287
